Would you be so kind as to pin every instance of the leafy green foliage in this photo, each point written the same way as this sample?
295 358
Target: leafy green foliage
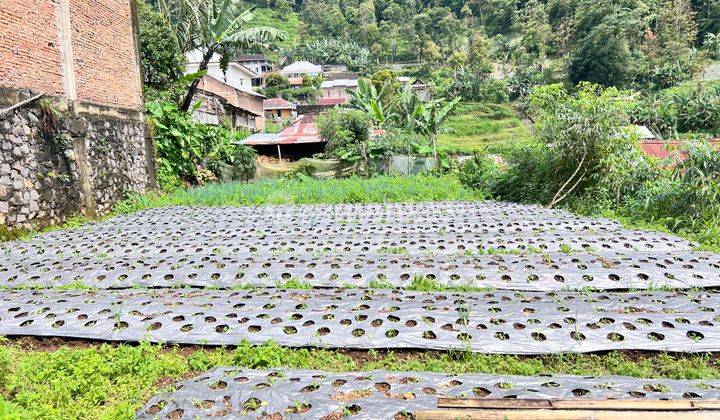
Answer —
478 172
711 44
603 57
688 107
581 130
471 85
367 97
278 86
347 133
689 198
332 51
161 58
184 146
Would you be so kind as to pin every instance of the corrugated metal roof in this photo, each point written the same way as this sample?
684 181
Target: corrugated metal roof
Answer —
302 130
669 149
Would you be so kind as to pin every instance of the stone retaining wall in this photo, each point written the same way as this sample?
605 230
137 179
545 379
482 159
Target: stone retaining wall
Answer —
75 159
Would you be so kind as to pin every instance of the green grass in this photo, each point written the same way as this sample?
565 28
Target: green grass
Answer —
114 381
383 189
477 126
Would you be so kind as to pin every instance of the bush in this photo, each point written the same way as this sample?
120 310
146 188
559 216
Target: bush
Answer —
479 172
689 107
244 161
581 130
185 146
347 133
470 85
530 175
698 108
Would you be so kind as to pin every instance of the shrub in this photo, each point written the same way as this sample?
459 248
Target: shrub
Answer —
347 133
479 172
244 162
530 175
470 85
581 131
698 108
688 107
184 146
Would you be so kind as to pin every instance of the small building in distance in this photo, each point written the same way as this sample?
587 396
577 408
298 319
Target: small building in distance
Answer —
236 75
300 69
221 103
279 108
420 87
672 151
337 89
299 139
259 64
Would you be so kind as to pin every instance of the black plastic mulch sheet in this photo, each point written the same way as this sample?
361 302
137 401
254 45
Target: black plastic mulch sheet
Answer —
331 246
608 271
235 392
493 322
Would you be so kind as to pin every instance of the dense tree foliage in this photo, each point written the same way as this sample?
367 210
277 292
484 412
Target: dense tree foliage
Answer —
652 44
161 58
332 51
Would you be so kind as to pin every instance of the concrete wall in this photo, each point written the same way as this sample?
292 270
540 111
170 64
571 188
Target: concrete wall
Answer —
83 146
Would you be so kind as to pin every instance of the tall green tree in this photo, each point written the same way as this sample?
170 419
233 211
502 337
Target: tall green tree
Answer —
161 58
582 130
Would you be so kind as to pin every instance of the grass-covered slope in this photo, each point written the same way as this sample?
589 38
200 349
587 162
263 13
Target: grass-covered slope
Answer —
476 126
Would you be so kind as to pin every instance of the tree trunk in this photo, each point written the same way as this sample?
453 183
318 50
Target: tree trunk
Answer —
434 146
187 101
555 199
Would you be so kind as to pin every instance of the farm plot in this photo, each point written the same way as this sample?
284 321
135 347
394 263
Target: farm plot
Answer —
386 395
481 245
481 277
494 322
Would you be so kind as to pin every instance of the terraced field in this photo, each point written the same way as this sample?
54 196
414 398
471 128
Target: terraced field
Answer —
482 277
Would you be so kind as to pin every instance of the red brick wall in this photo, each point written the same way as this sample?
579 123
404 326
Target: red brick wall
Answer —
106 68
29 54
105 65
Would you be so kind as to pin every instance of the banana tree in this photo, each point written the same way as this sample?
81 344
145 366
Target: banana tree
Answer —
367 98
430 116
214 27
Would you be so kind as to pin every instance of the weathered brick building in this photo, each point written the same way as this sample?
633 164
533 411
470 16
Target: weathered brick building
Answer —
82 145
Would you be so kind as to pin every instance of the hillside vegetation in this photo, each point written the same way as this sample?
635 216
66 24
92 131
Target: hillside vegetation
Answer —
482 127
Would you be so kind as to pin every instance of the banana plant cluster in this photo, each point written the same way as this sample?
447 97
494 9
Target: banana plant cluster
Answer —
404 110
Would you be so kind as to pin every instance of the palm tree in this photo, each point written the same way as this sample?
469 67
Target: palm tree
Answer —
213 27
